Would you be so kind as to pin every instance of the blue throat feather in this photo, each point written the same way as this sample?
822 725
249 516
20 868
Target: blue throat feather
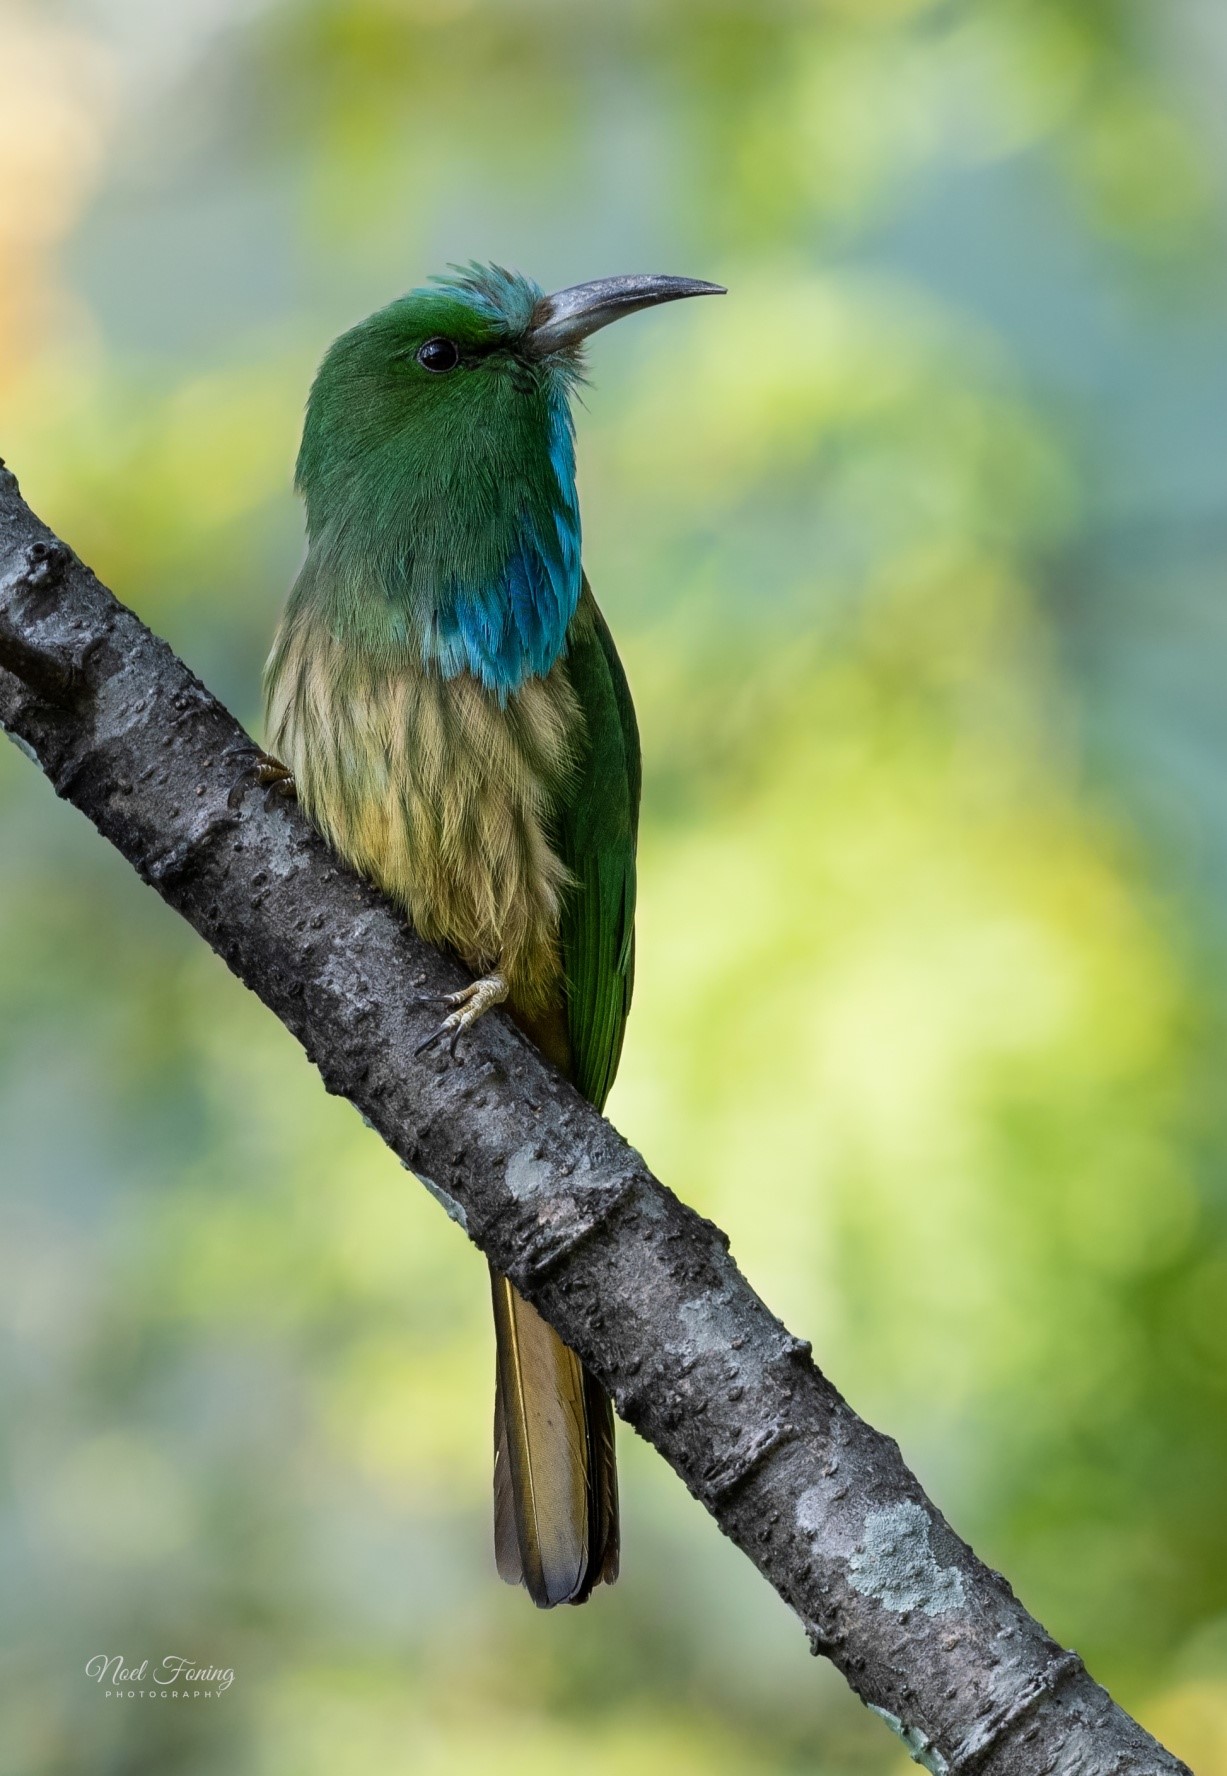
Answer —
514 626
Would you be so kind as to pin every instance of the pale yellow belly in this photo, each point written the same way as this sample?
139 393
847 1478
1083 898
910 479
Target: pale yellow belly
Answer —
436 793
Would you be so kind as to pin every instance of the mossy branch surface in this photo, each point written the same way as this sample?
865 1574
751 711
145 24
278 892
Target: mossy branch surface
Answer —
642 1286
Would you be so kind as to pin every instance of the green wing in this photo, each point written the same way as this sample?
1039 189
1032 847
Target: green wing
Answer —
597 829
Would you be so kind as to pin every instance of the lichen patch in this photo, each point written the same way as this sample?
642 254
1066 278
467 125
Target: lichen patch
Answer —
528 1174
896 1566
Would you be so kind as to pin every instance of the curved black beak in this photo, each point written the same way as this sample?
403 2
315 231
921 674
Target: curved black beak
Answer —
569 316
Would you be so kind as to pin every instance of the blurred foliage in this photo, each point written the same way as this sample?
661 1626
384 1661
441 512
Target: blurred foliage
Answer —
931 981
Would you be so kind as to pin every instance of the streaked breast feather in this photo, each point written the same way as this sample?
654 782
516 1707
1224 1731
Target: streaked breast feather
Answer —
435 792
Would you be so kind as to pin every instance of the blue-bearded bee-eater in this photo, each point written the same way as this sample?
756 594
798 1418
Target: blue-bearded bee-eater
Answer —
445 700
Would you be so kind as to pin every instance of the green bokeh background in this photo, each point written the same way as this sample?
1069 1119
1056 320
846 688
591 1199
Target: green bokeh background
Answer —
913 546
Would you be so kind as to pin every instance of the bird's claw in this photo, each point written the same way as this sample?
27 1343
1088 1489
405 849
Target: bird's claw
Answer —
262 771
452 1028
469 1004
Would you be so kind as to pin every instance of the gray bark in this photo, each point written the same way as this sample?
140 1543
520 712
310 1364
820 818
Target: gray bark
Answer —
640 1285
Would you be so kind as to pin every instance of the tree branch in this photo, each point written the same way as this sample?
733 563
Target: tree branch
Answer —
639 1284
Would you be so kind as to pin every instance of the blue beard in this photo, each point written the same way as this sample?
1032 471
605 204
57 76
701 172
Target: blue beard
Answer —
514 627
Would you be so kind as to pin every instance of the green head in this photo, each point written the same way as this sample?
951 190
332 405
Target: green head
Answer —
438 466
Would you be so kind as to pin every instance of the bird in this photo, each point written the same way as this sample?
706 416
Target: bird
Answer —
445 700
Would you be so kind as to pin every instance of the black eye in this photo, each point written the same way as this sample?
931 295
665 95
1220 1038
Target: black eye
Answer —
439 355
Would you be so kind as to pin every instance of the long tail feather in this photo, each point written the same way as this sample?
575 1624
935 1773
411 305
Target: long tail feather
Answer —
603 1467
506 1537
555 1483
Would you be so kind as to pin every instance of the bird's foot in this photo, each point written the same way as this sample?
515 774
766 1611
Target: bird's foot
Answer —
262 771
470 1003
